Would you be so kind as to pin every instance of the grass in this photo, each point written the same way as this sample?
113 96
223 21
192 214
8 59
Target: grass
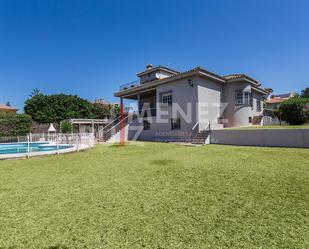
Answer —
157 196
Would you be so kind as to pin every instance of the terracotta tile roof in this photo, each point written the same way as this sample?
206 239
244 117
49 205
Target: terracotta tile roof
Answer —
238 76
233 76
275 100
279 98
5 107
285 95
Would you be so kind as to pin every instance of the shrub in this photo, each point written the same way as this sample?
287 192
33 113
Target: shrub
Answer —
66 126
295 110
14 124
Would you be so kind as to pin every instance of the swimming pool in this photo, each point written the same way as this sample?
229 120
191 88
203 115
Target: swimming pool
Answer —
21 148
44 144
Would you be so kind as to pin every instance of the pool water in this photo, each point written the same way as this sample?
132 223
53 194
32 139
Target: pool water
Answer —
15 148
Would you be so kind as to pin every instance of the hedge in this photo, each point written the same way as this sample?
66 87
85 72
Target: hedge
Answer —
14 124
295 111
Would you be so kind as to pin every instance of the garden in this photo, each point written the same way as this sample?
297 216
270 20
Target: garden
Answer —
157 195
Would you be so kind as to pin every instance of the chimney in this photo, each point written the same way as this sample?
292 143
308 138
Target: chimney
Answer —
149 66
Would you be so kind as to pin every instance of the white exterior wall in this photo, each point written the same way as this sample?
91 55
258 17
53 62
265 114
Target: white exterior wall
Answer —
239 115
210 95
185 97
193 101
257 97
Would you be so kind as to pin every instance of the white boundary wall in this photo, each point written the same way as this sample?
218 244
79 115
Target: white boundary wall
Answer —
298 138
266 120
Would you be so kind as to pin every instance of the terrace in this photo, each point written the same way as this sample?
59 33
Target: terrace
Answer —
146 100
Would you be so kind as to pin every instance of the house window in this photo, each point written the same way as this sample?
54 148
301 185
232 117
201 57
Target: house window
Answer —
239 97
247 98
258 105
175 123
243 98
167 98
146 125
250 120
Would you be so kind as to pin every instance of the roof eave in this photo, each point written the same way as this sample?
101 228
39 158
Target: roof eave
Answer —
244 79
259 90
208 75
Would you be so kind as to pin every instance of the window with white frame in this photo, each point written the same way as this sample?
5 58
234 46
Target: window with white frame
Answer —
258 105
243 97
167 98
239 97
247 98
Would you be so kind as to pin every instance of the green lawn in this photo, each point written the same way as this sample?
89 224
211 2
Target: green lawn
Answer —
157 196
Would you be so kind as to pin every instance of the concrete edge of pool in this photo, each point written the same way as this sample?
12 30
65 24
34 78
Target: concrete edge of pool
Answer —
74 148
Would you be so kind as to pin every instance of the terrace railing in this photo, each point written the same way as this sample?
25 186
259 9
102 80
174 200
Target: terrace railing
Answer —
114 127
129 85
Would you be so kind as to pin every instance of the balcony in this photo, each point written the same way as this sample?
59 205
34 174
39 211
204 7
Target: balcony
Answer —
129 85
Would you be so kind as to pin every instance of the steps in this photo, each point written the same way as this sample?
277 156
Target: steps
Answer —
112 132
113 128
107 136
200 137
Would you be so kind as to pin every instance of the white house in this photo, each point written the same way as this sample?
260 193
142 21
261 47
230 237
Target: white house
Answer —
181 105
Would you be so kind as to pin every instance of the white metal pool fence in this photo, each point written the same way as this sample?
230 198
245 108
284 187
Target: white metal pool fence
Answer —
76 141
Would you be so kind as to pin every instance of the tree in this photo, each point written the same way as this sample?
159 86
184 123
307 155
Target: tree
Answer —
115 111
305 93
295 111
12 124
102 110
66 126
57 107
35 92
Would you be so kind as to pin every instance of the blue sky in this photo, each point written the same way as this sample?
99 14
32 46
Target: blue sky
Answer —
90 47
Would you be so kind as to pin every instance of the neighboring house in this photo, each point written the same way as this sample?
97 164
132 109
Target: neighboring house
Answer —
191 100
273 102
7 109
